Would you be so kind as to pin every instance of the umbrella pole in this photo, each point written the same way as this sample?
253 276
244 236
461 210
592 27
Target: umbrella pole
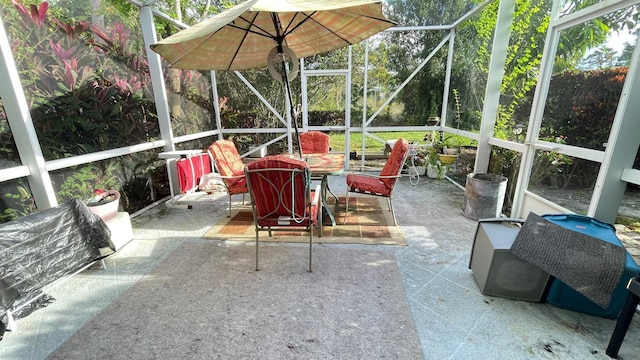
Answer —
288 88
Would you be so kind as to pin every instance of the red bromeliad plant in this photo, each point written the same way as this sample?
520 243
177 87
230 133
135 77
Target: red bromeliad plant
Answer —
34 14
76 85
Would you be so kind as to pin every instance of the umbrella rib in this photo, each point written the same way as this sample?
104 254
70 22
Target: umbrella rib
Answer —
246 33
342 38
263 33
252 25
329 30
279 38
306 17
384 20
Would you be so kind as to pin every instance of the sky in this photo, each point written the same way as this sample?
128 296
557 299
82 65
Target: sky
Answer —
617 39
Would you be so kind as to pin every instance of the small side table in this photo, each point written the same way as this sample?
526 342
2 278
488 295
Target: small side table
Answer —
626 314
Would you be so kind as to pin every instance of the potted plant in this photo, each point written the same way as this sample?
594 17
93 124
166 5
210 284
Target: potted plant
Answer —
433 120
104 203
435 168
450 150
420 161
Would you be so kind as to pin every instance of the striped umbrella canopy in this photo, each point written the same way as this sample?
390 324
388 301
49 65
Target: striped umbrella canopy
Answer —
250 35
242 37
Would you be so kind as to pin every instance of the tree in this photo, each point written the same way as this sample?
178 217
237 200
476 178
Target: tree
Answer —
624 59
422 97
601 58
473 50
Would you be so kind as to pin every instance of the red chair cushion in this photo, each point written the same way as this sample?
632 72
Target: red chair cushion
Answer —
314 142
191 170
239 187
272 191
367 184
227 160
395 162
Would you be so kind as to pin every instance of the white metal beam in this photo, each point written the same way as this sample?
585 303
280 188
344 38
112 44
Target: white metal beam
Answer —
22 129
216 102
411 76
535 117
157 77
592 12
621 149
499 48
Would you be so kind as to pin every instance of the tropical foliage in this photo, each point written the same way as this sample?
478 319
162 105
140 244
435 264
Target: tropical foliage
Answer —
86 78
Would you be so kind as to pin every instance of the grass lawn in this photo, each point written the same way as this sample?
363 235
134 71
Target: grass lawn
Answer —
373 145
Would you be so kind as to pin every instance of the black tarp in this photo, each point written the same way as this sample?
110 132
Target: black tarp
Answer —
40 248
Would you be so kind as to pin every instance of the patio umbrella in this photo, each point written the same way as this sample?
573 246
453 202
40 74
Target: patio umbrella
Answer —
247 36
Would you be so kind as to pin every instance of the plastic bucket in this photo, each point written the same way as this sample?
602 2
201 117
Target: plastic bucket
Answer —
484 196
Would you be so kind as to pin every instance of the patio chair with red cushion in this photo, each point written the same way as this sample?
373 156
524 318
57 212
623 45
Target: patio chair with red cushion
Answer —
314 142
231 168
384 183
281 197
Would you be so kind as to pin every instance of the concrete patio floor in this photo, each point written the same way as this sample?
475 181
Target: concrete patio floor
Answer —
453 319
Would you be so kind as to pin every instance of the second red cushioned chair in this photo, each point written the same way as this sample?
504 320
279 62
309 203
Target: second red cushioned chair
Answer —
314 142
384 183
231 168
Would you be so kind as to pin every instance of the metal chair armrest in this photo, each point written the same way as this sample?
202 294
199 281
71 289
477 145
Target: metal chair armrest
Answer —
362 174
376 176
390 176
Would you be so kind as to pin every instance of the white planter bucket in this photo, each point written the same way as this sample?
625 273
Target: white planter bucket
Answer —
109 209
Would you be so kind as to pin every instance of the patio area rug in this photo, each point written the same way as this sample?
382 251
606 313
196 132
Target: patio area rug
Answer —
368 222
205 301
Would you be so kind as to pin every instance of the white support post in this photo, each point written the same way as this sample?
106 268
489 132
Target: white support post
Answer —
364 106
305 97
494 83
535 118
159 91
22 129
157 78
216 104
621 150
447 79
347 110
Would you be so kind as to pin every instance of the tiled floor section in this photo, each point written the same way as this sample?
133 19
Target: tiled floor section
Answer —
454 320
